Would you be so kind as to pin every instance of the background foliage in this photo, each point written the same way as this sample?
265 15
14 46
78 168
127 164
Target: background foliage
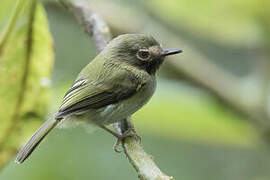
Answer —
191 133
26 62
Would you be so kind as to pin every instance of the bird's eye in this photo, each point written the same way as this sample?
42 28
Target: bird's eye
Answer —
143 54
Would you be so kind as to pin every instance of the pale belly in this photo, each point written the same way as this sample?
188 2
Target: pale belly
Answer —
115 112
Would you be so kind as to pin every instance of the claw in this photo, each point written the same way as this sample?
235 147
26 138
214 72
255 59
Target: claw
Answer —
129 133
117 143
120 138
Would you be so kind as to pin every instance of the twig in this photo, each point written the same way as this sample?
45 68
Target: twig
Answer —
92 23
140 160
95 27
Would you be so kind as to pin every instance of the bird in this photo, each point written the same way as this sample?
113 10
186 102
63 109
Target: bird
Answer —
114 85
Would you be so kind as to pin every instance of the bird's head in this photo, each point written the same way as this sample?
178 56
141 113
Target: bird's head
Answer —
138 50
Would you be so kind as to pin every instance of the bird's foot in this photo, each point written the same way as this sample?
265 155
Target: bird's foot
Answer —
128 133
121 137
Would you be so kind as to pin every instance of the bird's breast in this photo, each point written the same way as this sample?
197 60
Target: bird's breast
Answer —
121 110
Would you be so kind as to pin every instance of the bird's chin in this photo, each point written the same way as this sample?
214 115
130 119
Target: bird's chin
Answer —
154 65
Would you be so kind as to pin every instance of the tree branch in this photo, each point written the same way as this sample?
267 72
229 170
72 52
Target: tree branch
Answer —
140 160
92 23
95 27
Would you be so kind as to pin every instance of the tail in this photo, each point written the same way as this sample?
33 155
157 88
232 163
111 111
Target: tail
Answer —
36 138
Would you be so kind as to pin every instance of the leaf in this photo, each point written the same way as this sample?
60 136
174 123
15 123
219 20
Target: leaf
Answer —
26 60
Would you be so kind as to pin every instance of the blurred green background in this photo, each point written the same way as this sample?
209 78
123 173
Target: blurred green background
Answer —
190 132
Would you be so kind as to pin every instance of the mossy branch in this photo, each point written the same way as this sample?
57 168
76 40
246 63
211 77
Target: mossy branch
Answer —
96 27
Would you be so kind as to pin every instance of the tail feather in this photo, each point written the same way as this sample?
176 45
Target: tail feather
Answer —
36 138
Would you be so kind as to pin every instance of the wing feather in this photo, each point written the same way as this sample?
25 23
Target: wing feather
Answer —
86 94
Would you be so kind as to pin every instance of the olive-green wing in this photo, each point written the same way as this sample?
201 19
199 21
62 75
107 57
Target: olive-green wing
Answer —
85 95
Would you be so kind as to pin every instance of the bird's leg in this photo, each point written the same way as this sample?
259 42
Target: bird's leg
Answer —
130 132
115 134
120 137
128 128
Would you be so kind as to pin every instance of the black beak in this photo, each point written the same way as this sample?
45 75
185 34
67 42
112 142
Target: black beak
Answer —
168 52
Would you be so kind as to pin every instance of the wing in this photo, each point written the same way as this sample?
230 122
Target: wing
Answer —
86 94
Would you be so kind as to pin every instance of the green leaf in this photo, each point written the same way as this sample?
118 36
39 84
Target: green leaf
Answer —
26 59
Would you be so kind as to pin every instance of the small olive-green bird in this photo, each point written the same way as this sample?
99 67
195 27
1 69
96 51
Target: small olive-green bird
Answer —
113 86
